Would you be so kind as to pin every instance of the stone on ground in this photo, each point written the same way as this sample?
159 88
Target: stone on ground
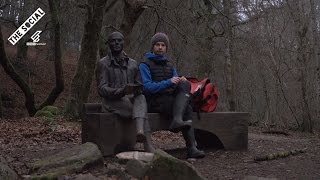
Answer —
137 168
165 166
140 156
68 161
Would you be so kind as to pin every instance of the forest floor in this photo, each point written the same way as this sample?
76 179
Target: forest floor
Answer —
23 141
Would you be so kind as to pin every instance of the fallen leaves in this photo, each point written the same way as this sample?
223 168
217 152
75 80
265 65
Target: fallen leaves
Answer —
22 140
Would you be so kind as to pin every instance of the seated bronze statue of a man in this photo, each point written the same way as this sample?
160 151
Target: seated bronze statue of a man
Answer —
119 85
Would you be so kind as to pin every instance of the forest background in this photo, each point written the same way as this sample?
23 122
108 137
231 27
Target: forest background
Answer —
262 55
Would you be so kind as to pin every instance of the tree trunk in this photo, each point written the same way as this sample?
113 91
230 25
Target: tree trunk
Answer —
316 52
1 113
267 118
22 49
229 57
301 24
81 83
9 69
302 58
132 11
55 92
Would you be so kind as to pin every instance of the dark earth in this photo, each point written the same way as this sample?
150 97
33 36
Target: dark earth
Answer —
26 140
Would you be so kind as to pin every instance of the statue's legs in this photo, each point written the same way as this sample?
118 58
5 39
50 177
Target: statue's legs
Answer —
139 114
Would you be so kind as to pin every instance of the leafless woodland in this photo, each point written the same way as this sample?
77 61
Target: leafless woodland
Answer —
263 55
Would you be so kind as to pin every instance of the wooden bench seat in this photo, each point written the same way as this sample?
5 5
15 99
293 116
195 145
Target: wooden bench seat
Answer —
226 129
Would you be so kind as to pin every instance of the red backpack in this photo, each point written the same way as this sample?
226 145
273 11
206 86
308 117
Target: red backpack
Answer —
205 95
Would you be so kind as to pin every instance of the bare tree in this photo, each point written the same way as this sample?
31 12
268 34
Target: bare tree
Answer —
24 86
316 50
1 113
81 83
132 11
9 69
301 26
59 85
229 58
22 48
15 13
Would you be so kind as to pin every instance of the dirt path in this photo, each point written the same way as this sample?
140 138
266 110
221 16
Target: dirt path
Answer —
26 140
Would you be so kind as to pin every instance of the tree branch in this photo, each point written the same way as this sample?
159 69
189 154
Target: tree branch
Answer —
9 69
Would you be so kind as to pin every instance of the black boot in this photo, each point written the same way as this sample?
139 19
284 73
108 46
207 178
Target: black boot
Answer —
140 135
192 151
180 103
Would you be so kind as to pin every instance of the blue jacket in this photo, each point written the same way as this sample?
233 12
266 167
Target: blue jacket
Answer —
150 86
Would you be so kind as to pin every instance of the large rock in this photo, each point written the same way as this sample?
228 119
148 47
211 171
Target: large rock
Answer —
68 161
6 173
85 177
137 168
165 166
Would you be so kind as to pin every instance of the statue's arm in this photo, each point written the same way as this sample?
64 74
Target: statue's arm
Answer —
103 84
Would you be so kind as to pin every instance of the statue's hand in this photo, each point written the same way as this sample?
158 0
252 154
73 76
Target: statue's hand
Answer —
133 89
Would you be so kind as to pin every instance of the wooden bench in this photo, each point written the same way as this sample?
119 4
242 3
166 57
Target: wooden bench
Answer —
218 129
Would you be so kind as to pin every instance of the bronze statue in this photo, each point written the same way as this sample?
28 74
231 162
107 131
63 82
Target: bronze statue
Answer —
119 85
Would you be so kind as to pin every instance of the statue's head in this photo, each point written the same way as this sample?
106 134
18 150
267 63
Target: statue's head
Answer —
116 41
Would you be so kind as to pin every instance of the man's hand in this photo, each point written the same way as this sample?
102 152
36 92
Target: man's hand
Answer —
175 80
183 78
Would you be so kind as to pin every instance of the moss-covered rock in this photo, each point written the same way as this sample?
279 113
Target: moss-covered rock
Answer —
6 173
71 160
45 114
48 112
137 168
86 177
165 166
52 109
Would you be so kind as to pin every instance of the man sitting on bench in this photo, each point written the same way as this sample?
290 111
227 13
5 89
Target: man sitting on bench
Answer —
119 84
167 93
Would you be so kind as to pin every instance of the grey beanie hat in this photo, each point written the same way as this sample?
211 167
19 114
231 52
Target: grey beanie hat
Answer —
159 37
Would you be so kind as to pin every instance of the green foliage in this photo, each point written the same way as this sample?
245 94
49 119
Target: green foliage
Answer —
46 114
49 114
52 109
